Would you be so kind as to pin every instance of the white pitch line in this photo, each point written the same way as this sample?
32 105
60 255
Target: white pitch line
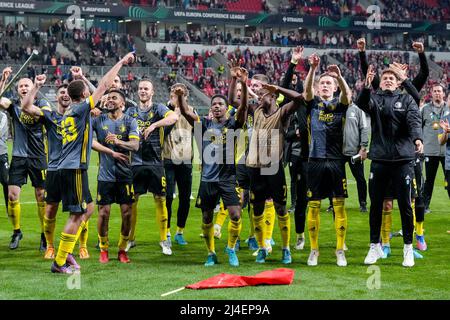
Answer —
172 292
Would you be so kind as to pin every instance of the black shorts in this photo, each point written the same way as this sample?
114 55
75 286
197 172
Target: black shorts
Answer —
264 186
22 167
114 192
75 190
4 168
209 194
326 179
243 176
390 190
149 179
53 187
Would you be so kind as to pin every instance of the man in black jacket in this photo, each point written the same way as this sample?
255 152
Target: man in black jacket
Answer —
418 206
396 136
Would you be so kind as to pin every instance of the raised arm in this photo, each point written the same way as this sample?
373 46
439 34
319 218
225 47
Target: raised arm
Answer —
296 99
109 77
297 54
363 100
190 116
361 44
400 71
27 103
242 111
421 79
5 102
5 76
78 74
314 62
234 73
346 93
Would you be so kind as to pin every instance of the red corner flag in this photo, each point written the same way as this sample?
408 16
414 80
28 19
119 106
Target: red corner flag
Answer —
224 280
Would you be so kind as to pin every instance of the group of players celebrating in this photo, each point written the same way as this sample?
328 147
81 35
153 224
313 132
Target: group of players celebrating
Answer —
148 147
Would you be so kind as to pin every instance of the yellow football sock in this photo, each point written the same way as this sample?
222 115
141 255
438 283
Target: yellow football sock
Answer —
252 224
221 215
41 214
419 228
49 231
340 222
133 221
161 217
66 246
103 243
269 219
80 228
234 229
285 229
84 235
259 230
123 241
386 227
208 235
314 223
14 213
180 230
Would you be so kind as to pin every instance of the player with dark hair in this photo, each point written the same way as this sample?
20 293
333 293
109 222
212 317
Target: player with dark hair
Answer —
52 122
76 130
118 133
218 179
265 163
116 85
147 163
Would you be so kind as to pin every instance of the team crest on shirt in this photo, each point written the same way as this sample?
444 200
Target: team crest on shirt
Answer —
331 107
105 127
150 115
398 105
122 128
84 205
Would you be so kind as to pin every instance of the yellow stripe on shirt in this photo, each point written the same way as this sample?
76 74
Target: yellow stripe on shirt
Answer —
85 143
91 102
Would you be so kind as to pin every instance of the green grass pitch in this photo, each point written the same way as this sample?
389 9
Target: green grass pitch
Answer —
24 274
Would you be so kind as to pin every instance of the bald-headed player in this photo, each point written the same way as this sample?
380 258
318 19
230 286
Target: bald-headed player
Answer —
29 159
147 163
